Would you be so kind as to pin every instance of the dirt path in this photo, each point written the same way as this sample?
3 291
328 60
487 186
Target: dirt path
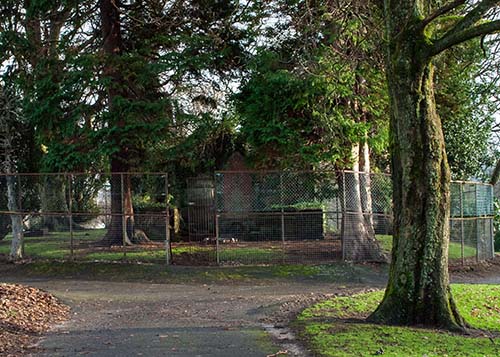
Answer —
134 319
484 273
194 319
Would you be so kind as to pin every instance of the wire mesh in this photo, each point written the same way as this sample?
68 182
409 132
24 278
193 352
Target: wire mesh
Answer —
91 217
267 217
471 232
234 217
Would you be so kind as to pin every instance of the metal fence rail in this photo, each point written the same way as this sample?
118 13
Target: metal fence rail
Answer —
233 217
310 216
90 217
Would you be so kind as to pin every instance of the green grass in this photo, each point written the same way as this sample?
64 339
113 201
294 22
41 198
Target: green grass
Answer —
250 255
454 251
328 336
142 256
240 255
160 273
56 246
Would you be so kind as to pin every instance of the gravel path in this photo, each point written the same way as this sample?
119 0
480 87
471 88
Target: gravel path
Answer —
139 319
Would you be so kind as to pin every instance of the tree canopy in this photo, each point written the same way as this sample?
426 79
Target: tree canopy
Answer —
122 86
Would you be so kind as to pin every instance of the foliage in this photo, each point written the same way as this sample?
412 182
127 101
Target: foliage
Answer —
296 104
85 189
171 65
465 108
289 120
315 91
329 336
144 205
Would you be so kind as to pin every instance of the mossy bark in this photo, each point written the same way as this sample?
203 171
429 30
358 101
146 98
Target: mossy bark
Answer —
418 291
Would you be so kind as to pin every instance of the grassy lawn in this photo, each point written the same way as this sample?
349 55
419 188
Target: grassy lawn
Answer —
329 336
240 255
143 256
251 255
454 252
339 273
53 246
56 246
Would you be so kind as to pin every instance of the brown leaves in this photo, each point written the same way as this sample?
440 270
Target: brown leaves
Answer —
25 312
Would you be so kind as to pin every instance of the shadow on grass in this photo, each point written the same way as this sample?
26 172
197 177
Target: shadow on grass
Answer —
159 273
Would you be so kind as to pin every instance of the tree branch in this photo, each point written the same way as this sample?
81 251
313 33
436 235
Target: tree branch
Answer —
440 12
471 17
496 174
452 39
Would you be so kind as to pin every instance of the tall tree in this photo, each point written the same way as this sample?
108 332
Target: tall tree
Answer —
9 143
418 290
156 55
39 41
320 88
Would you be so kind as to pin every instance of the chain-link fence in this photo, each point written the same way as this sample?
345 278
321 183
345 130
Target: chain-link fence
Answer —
89 217
269 217
234 218
471 222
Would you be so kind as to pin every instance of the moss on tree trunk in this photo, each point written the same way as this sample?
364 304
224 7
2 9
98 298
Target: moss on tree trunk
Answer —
418 290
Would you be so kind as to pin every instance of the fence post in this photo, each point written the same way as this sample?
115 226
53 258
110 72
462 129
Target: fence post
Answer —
283 248
70 212
216 212
124 219
462 238
492 239
344 221
492 230
168 249
477 222
20 209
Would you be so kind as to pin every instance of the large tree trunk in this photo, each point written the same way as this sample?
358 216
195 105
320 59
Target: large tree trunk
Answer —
53 197
359 243
8 117
366 185
121 207
496 174
121 199
418 291
4 218
16 247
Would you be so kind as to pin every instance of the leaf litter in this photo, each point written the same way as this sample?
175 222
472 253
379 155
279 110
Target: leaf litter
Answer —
26 313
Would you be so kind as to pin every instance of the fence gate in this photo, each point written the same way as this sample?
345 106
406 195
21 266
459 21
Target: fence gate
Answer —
201 208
